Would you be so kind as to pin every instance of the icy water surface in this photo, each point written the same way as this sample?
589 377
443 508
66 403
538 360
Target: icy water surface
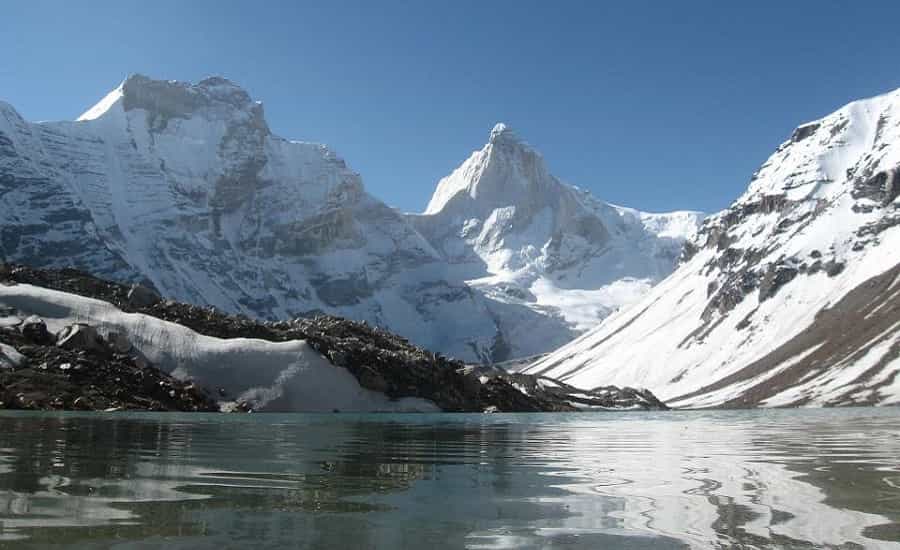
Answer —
751 479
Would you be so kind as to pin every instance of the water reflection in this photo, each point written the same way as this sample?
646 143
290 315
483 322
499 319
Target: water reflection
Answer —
777 479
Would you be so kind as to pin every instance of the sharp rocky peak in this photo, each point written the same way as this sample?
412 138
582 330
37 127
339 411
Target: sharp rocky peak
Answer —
504 138
505 172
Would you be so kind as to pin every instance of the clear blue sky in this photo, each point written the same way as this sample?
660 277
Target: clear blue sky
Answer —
657 105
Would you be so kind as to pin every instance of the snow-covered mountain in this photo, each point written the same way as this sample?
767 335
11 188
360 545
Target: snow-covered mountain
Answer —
791 296
521 236
184 187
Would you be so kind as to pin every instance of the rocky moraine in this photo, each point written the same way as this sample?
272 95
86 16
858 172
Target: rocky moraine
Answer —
81 368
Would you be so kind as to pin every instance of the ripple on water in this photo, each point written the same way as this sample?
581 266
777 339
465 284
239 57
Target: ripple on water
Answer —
761 479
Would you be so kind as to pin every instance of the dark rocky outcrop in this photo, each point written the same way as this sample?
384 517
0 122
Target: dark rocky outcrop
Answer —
775 276
803 132
882 187
566 397
379 360
688 251
728 294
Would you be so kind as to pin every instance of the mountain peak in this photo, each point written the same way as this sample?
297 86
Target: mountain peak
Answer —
503 133
177 99
500 174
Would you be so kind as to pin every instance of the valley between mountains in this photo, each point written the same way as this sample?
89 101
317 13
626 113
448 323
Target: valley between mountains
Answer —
252 250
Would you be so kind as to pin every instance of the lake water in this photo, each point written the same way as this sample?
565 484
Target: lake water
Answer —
744 479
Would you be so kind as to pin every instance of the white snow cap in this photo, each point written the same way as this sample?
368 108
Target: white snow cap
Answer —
104 105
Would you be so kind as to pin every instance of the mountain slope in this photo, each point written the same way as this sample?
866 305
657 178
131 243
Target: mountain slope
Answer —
792 294
184 188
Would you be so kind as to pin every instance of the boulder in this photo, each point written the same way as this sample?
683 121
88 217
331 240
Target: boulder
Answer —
80 337
140 296
35 329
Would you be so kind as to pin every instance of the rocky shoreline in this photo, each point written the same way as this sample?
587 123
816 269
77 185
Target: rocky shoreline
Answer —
379 360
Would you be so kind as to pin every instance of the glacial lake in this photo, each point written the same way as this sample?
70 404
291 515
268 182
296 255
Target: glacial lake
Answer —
718 479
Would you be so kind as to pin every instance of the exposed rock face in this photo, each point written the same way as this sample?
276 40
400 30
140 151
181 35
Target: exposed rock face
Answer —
380 361
791 296
775 277
183 189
